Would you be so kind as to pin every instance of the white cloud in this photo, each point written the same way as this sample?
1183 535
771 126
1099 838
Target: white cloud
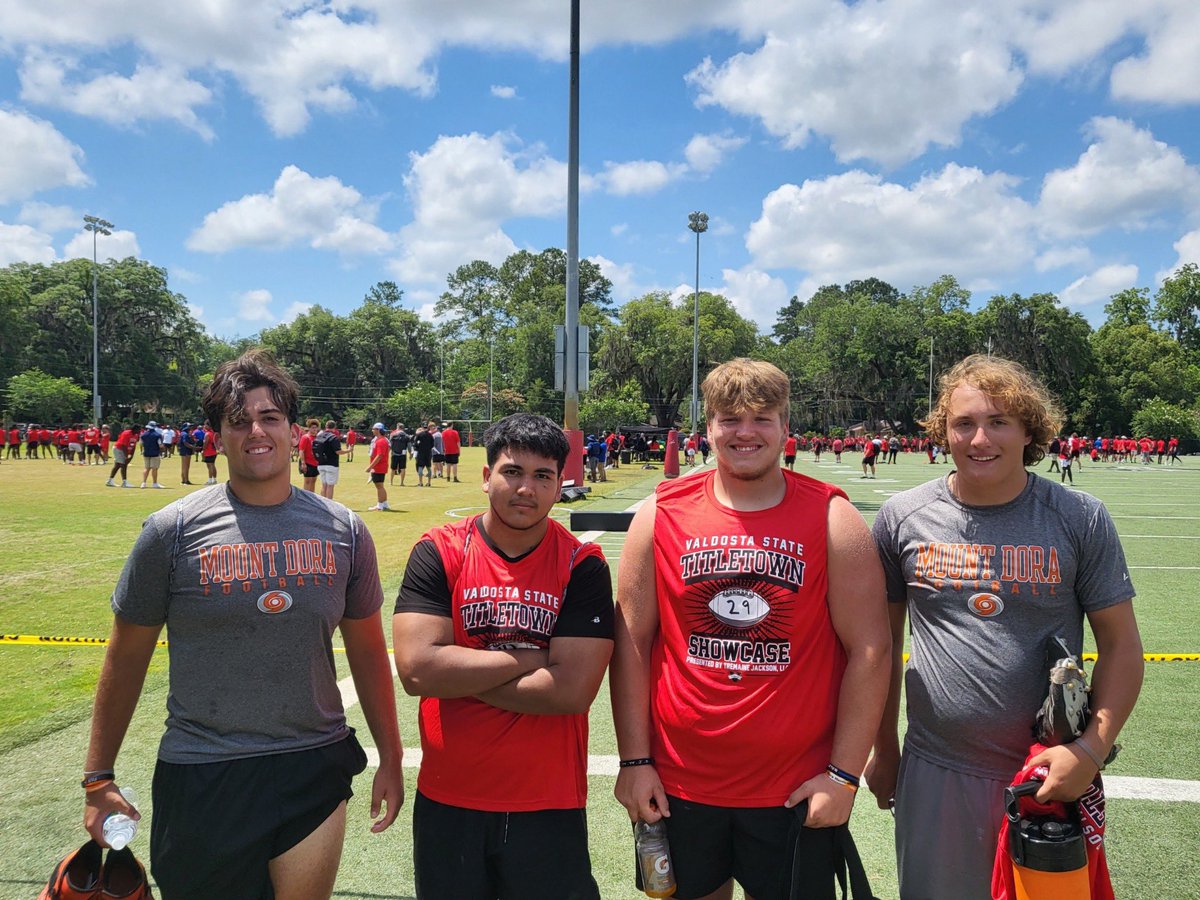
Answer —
1123 180
1168 68
848 226
46 217
462 189
197 312
1188 248
118 245
295 311
619 229
1100 285
34 157
704 152
22 243
755 294
1062 257
641 176
623 277
322 212
254 306
883 81
151 92
504 91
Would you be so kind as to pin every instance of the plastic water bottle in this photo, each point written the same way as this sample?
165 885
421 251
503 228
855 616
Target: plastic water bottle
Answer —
119 828
654 858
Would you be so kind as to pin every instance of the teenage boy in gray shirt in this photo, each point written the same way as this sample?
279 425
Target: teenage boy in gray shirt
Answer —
251 579
990 563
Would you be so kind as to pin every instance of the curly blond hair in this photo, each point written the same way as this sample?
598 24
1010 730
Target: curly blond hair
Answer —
1013 388
746 384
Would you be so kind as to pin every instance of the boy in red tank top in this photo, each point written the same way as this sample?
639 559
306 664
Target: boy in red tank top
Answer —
751 657
504 627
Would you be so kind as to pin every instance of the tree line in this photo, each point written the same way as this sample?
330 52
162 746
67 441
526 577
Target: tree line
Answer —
857 354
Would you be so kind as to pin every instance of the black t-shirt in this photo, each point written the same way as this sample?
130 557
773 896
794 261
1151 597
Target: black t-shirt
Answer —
399 442
423 443
587 609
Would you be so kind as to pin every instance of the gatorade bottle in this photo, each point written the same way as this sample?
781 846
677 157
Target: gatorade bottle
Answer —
654 858
119 828
1049 856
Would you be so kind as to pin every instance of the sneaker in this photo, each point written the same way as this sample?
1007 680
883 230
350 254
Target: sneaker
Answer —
383 507
157 485
76 877
124 877
375 508
126 484
110 483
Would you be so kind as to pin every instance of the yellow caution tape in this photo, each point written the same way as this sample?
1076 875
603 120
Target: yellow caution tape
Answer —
45 640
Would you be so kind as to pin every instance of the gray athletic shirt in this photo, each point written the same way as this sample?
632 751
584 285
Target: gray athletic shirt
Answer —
250 596
987 587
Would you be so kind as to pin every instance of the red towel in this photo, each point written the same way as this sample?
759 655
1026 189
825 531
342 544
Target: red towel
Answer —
1091 816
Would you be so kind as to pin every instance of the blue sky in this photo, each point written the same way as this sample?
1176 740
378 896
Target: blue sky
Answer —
280 154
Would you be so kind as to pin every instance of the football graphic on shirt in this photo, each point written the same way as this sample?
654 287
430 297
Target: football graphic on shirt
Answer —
739 607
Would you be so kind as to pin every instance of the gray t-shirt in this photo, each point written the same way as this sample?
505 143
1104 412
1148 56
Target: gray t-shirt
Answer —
987 587
250 596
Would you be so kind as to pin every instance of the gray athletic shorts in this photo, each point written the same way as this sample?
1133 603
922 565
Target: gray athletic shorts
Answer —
947 825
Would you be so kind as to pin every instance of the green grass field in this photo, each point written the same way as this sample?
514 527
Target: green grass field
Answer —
64 538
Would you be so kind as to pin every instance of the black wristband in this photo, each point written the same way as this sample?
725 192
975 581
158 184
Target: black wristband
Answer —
640 761
97 776
841 775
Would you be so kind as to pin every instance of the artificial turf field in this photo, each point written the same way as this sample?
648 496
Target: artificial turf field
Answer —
64 537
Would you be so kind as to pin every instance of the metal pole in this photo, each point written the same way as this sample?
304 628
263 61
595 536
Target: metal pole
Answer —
695 347
571 394
95 336
491 370
96 225
930 411
697 222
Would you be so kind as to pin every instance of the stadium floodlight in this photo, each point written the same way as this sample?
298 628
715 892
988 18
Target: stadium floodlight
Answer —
96 225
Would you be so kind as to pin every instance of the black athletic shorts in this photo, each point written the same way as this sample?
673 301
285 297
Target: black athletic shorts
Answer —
422 461
466 854
789 459
217 825
399 462
310 471
377 477
452 459
209 460
439 457
711 844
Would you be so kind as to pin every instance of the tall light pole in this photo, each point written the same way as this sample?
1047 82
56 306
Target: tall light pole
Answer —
95 225
697 222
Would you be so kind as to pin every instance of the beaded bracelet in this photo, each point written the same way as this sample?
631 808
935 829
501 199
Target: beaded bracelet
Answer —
640 761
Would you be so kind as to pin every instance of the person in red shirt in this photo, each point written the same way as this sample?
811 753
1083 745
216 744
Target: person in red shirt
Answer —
208 452
789 452
308 460
351 440
105 443
504 627
451 449
714 654
122 455
1173 450
377 466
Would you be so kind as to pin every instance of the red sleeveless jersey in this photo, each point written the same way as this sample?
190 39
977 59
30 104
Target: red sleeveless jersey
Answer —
746 666
477 756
